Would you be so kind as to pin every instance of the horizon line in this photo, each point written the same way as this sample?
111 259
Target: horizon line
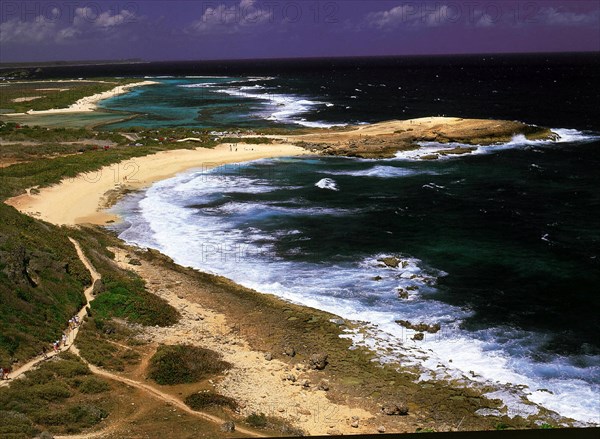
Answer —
440 55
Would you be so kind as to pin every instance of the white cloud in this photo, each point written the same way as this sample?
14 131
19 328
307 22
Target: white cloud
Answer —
416 15
231 19
85 24
556 17
36 31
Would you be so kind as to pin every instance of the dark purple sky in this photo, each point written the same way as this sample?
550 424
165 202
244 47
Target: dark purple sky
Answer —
222 29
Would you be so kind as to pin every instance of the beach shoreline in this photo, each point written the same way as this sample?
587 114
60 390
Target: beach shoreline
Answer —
89 103
83 200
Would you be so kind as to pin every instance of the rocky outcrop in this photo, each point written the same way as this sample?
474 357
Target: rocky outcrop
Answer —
393 262
394 409
386 139
420 327
318 361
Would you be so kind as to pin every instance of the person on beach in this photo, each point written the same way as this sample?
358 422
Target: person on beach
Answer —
1 373
64 339
5 373
55 345
44 352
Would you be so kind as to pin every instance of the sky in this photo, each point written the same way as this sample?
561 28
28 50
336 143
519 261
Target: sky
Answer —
164 30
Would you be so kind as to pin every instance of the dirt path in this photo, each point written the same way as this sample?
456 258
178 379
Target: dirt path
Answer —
161 396
72 334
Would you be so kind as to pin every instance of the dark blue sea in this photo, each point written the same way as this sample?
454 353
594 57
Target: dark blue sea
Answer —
500 247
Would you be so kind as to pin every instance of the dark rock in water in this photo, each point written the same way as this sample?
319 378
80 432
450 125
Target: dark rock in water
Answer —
228 427
394 409
391 262
377 278
418 336
289 351
402 293
421 327
134 262
318 361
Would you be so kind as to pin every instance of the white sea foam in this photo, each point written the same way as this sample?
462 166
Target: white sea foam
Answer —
518 141
281 107
380 171
327 183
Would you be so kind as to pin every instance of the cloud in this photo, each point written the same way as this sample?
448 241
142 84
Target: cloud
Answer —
36 31
236 18
415 15
85 24
555 17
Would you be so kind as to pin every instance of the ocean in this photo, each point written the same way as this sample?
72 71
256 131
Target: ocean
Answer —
500 247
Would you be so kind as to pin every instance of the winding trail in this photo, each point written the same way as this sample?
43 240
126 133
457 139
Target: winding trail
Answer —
155 393
72 335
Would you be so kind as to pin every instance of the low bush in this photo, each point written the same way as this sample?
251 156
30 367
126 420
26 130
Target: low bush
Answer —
204 400
184 364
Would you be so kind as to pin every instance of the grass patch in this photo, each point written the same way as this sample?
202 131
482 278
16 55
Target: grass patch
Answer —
53 94
208 399
257 420
180 364
125 295
94 342
55 397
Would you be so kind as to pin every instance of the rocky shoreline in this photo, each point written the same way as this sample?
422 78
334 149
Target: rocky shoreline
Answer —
385 139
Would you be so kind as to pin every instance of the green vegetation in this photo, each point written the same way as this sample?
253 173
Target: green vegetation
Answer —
41 284
60 397
13 132
101 343
257 420
208 399
47 171
184 364
50 95
124 294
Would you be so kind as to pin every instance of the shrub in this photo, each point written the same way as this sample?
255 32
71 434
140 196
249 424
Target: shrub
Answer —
257 420
203 400
184 364
93 385
52 391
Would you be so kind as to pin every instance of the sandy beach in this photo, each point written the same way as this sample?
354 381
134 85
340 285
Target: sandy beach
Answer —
88 103
80 200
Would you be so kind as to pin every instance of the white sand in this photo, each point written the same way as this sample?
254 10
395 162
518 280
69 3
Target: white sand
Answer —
81 199
88 103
